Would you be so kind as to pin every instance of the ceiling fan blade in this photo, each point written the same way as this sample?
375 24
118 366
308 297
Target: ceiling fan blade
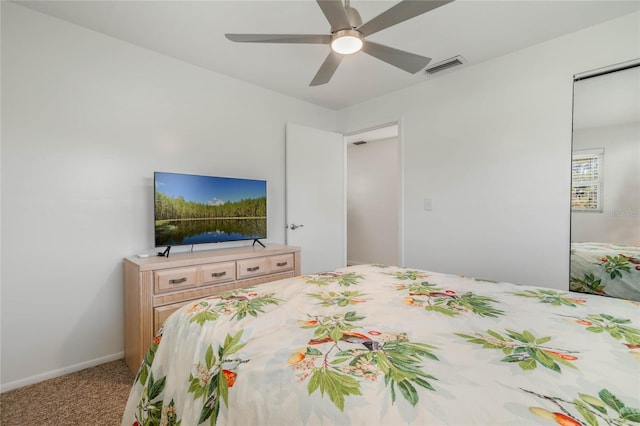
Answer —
335 13
402 11
280 38
409 62
327 69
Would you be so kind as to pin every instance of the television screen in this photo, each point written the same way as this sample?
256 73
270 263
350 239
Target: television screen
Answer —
191 209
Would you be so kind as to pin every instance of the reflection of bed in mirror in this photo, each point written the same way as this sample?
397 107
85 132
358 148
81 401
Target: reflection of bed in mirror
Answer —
606 269
605 182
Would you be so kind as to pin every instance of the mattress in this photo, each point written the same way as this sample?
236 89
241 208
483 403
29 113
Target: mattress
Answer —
385 345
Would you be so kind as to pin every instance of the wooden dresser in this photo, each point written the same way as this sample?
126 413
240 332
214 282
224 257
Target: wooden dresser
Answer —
155 287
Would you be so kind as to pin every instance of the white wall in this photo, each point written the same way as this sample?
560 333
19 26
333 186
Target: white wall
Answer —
491 145
373 183
619 222
86 119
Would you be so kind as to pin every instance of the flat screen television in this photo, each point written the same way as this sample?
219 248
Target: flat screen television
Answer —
193 209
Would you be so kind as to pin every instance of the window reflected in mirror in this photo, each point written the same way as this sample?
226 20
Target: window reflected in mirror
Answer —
586 179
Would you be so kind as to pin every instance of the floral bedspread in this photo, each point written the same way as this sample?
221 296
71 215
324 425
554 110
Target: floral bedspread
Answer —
379 345
606 269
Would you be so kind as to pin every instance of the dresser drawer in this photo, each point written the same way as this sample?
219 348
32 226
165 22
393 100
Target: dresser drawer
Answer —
280 263
160 314
175 279
218 272
252 267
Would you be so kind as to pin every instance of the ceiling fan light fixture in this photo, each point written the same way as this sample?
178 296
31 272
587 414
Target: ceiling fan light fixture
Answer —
346 42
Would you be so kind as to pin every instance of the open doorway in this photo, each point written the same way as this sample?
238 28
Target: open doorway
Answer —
373 196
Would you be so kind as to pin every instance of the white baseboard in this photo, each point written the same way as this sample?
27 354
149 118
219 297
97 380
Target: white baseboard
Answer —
5 387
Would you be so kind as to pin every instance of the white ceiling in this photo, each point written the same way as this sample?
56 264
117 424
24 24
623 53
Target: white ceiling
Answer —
193 31
384 132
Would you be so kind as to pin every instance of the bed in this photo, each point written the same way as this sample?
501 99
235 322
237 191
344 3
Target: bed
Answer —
605 269
384 345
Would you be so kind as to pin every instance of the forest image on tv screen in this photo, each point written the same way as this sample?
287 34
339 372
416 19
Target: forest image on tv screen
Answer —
191 209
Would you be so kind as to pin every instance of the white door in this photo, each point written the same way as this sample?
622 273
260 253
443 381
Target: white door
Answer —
315 197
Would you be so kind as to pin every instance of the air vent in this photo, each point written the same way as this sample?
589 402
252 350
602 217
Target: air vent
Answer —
445 65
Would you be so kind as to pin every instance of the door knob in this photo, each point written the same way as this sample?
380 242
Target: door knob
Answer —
294 226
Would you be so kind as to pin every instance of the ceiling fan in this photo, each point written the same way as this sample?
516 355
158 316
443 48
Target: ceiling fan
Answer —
348 35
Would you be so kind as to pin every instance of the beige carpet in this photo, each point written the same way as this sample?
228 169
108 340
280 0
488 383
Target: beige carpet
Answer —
95 396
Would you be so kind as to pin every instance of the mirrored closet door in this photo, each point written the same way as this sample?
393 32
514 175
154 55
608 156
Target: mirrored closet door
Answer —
605 182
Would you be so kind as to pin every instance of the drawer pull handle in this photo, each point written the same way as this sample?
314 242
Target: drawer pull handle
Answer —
218 274
282 263
255 268
178 281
